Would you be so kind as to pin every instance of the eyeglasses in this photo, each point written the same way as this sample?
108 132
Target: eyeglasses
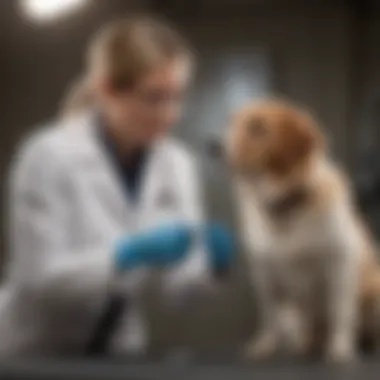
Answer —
158 98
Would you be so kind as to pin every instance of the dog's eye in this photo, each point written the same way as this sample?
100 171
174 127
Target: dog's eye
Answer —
257 128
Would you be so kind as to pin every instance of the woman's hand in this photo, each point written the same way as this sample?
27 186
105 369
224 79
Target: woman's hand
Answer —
194 280
156 247
169 243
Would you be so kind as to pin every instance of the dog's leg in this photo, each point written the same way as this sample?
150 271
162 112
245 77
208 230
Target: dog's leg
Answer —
294 329
342 278
265 342
256 238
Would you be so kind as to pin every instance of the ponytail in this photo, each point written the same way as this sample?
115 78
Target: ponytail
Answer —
78 98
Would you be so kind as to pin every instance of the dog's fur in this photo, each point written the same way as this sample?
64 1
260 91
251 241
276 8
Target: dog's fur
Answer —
312 262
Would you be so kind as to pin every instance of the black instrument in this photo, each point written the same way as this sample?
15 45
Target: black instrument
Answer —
107 324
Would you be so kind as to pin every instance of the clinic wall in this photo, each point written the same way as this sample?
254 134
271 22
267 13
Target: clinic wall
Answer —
367 130
366 127
309 59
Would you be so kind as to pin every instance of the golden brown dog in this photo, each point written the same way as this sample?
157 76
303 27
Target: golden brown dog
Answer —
312 263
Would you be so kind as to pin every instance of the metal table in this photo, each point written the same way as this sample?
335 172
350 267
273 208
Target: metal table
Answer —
220 370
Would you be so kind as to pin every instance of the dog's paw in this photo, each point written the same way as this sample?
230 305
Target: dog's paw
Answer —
341 351
262 346
299 346
294 336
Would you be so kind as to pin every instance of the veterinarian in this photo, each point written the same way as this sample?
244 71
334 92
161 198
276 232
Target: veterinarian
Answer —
101 198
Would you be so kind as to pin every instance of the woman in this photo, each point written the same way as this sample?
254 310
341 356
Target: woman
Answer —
90 195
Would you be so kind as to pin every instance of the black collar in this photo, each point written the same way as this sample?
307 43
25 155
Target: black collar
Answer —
289 202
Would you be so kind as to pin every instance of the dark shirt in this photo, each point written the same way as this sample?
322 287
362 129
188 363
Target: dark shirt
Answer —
130 170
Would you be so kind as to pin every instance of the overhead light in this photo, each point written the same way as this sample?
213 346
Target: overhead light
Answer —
48 10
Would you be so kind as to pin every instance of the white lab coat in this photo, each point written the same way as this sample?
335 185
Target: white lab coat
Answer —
67 207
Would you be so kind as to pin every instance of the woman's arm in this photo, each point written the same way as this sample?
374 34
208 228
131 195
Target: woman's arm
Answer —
41 258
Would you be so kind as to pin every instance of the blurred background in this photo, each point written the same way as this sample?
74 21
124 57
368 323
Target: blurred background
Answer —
323 54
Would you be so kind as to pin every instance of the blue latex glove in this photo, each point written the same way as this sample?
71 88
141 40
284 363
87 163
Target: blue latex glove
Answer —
220 246
156 247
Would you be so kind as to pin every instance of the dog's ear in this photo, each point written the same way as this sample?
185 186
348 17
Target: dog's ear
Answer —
297 138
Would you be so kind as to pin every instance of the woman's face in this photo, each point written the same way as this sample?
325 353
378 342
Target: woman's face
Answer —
152 107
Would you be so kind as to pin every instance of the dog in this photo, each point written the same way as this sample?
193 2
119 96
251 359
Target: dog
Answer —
312 262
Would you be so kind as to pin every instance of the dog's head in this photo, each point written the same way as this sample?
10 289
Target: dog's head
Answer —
272 138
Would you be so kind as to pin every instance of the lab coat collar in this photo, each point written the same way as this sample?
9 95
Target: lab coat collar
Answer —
131 177
94 157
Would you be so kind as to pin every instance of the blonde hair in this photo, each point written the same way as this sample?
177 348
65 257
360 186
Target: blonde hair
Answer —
123 51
